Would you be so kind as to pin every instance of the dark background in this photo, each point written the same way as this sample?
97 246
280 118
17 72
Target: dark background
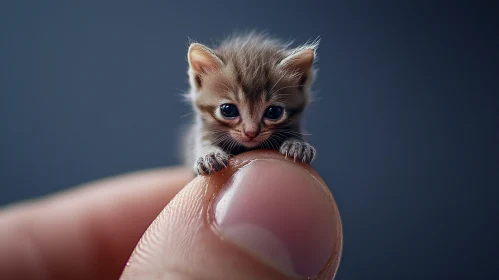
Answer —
406 122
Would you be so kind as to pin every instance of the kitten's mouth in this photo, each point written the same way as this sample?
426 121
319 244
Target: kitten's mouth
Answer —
249 143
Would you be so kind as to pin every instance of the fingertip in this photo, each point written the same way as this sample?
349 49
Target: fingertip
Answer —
267 217
279 211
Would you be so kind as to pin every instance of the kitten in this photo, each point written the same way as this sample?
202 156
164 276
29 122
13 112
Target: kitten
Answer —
249 93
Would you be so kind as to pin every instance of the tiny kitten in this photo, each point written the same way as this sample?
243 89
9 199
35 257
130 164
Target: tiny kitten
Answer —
249 93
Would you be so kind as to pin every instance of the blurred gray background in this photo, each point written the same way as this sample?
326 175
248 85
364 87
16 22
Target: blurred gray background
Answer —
406 121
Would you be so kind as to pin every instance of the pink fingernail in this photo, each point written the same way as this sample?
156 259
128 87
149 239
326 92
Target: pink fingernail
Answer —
277 211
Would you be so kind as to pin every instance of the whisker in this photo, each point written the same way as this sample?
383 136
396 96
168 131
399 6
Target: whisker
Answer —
234 145
265 144
214 131
278 143
230 144
272 141
227 87
281 134
276 83
280 137
217 135
220 139
283 88
291 131
208 133
225 145
186 115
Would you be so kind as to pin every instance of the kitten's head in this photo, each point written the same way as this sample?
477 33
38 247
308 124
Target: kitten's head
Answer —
251 90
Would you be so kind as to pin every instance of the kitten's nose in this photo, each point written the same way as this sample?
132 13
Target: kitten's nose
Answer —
251 133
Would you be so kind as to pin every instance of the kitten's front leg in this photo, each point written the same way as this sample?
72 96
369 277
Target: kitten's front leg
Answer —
213 160
298 149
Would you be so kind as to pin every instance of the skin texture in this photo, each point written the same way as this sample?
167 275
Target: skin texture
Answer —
90 231
252 73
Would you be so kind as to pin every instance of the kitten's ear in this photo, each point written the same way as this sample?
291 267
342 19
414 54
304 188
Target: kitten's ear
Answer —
203 59
300 62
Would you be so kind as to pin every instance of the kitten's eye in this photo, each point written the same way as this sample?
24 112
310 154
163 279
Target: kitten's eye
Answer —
274 112
229 110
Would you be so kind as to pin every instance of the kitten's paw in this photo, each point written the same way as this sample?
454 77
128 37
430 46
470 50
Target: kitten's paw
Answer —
298 150
211 163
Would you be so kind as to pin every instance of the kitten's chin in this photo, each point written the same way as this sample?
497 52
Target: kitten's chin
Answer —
249 144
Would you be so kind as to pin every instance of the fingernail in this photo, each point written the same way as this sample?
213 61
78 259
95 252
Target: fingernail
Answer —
278 212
